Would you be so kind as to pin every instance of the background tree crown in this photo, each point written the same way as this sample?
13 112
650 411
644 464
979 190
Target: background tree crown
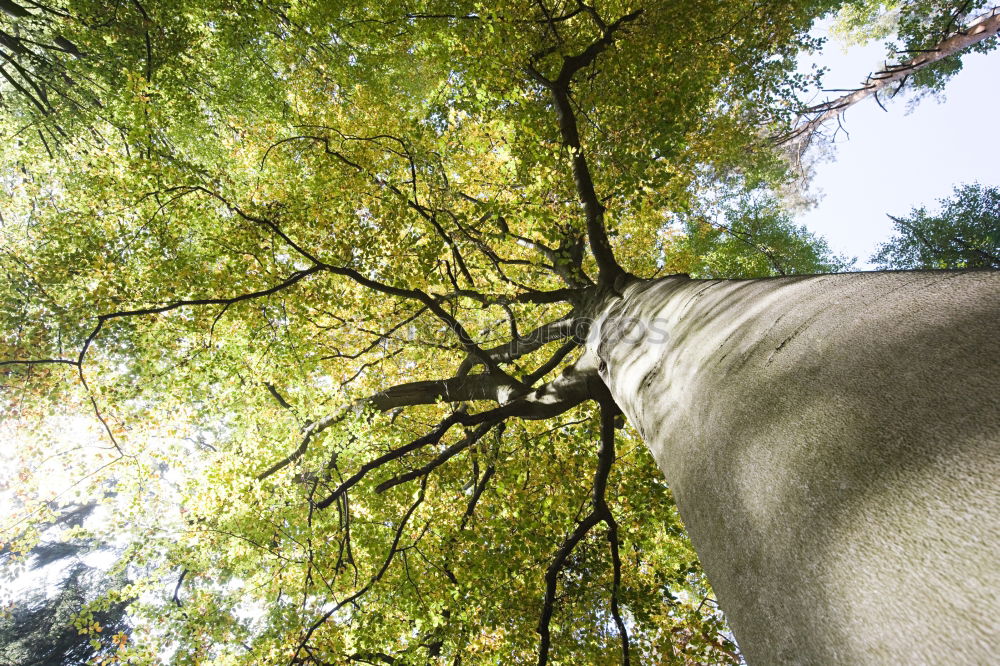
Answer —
965 233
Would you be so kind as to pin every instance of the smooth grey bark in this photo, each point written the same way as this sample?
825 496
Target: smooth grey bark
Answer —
833 444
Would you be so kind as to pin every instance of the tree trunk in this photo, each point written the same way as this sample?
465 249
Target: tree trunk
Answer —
832 444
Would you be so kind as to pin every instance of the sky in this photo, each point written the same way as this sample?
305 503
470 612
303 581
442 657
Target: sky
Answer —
895 161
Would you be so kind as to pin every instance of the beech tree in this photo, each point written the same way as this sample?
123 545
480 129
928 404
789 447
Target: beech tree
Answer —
390 333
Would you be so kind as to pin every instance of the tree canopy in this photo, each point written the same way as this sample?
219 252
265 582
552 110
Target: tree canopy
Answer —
294 290
964 233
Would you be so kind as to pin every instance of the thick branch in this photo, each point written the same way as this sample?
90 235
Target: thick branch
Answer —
13 10
984 27
600 512
600 246
455 389
576 384
428 392
571 388
522 346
